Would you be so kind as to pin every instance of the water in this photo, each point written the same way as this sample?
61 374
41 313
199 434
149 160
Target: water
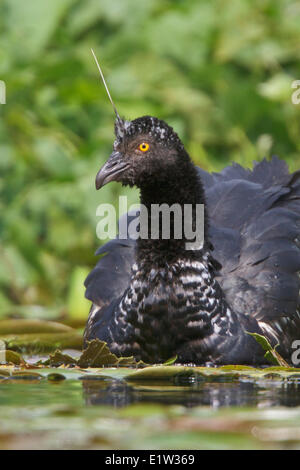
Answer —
109 413
214 394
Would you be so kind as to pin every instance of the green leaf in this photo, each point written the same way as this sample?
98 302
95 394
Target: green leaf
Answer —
162 372
271 355
21 326
97 354
12 357
170 361
42 342
36 22
58 358
55 377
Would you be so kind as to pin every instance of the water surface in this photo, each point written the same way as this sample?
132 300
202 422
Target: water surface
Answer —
108 413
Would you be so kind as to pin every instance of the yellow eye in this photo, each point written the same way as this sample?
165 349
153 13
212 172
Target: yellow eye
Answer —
144 147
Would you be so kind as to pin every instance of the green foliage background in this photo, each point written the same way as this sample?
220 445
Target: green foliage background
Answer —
219 71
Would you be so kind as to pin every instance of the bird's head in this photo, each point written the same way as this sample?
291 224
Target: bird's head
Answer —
146 150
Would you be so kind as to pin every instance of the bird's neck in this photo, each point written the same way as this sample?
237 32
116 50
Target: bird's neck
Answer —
174 218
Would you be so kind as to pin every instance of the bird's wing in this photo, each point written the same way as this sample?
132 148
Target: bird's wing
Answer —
255 231
110 277
108 280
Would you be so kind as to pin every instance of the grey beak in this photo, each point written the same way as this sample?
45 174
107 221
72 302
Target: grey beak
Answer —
111 170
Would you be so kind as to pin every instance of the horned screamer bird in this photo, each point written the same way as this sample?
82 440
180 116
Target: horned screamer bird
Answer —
155 299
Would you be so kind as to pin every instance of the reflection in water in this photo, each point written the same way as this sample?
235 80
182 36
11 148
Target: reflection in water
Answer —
262 394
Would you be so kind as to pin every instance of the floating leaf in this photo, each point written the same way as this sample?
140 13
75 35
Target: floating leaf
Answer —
25 375
13 358
97 354
58 358
162 372
42 342
21 326
56 377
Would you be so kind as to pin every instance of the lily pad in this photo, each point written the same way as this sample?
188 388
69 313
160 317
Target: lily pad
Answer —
13 358
20 326
162 373
56 377
42 342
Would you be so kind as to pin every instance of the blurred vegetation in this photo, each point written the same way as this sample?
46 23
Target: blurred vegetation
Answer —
220 72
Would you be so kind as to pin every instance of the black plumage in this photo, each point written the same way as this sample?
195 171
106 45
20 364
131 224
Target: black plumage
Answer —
154 299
